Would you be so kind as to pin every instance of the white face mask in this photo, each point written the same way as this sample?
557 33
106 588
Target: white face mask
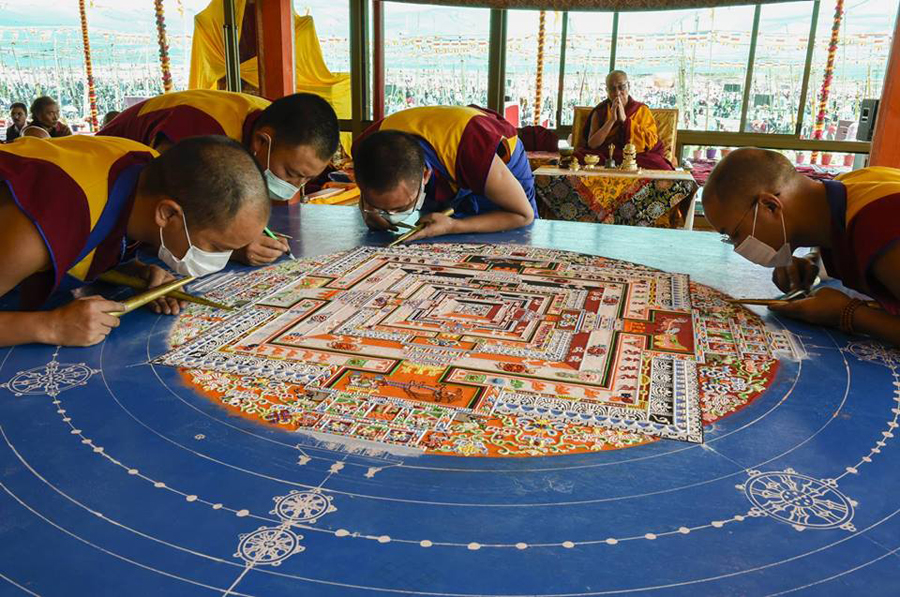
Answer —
196 262
762 254
279 190
396 217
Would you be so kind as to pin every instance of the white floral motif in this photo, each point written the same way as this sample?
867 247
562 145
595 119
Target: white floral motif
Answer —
269 545
302 506
798 500
50 379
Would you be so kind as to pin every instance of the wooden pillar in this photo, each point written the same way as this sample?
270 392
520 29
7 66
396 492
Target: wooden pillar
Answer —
275 32
377 60
885 149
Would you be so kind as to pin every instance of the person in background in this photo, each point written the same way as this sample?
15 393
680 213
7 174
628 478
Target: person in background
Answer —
45 114
108 117
19 114
620 119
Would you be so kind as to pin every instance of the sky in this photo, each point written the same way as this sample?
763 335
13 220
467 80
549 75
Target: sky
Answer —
137 15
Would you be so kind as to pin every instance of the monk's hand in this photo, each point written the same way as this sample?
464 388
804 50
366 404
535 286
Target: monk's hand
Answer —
83 322
263 250
436 224
822 308
799 275
620 110
157 276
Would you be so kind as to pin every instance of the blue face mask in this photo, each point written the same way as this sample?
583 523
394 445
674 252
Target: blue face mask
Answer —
279 190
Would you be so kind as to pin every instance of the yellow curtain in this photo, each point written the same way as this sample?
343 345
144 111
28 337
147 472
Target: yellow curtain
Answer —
311 73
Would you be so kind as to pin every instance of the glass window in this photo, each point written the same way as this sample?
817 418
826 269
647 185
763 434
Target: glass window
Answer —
521 67
778 67
864 43
332 20
693 60
41 53
588 44
434 55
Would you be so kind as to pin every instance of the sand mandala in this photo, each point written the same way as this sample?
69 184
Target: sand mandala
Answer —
476 350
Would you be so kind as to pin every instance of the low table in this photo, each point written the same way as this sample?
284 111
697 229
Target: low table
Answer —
658 198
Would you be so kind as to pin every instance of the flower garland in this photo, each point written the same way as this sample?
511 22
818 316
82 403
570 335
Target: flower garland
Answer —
163 46
826 79
539 78
88 67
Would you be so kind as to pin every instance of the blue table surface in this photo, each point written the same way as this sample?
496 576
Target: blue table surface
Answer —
117 479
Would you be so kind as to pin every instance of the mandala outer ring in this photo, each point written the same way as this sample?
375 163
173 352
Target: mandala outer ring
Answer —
464 439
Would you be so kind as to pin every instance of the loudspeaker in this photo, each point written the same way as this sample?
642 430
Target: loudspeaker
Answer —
868 109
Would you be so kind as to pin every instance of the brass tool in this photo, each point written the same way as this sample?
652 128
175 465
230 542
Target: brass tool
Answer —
139 300
447 212
122 279
768 302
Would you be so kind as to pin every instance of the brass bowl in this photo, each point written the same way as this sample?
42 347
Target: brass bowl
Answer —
591 160
567 152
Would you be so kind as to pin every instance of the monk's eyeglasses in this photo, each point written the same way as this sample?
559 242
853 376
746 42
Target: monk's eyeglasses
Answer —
729 238
620 87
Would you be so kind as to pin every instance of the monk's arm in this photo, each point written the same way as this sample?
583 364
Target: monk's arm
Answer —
599 133
506 192
23 254
647 130
875 322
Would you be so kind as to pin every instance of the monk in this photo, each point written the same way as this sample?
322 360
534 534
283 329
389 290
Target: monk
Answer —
69 209
292 139
433 158
620 120
766 209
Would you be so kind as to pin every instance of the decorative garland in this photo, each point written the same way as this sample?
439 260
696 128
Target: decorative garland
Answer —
88 67
539 78
826 79
163 46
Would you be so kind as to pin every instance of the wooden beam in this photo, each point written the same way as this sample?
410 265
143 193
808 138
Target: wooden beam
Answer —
748 79
497 61
377 59
885 149
614 42
359 79
275 56
807 67
562 68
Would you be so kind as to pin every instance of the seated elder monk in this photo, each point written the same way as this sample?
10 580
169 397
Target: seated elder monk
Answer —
620 119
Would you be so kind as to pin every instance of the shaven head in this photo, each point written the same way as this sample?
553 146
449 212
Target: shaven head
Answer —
212 178
303 119
745 173
386 159
616 75
33 130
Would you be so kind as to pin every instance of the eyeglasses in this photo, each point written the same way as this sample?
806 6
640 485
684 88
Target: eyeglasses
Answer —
387 213
620 87
729 238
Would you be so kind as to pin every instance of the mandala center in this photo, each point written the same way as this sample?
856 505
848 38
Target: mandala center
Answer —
478 350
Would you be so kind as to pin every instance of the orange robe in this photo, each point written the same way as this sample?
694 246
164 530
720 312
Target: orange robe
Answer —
639 129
